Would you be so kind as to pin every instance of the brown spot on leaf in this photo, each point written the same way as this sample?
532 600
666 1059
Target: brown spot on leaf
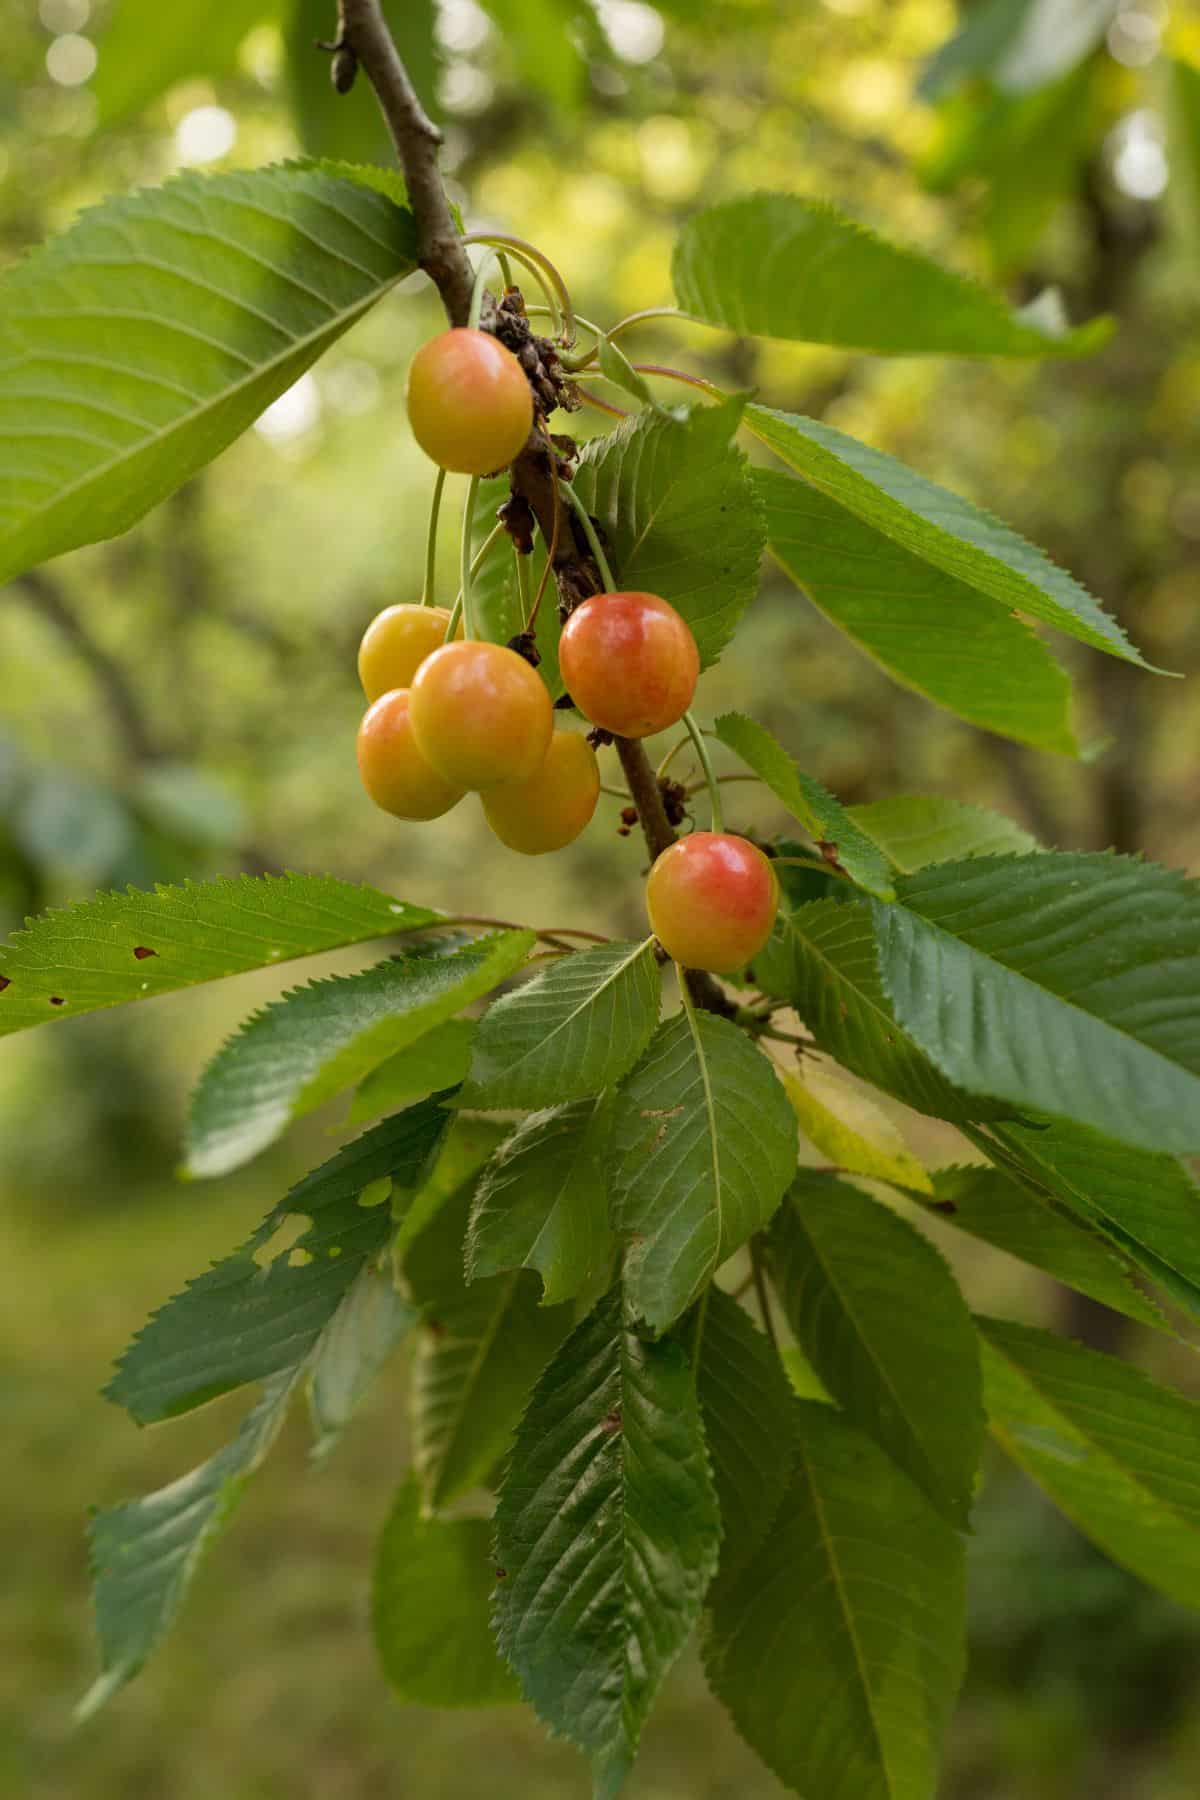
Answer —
611 1422
57 1000
141 952
4 983
949 1207
661 1112
501 1574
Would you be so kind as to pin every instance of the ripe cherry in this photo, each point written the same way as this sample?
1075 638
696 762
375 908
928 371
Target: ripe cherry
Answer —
551 809
481 715
396 643
469 404
712 899
630 663
393 770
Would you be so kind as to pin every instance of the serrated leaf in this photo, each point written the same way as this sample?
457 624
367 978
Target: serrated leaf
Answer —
355 1346
839 1651
932 632
1114 1450
144 1553
430 1597
824 818
880 1317
247 1319
316 1041
437 1060
1069 984
350 127
543 1202
147 48
1147 1205
938 527
465 1149
777 265
746 1404
675 499
850 1130
821 960
573 1029
132 946
479 1351
994 1207
607 1530
704 1143
137 346
917 829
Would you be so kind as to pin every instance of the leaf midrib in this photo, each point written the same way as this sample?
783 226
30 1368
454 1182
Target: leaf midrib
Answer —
590 999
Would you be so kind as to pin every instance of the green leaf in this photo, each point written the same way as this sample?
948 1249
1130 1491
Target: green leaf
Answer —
930 630
138 345
839 1651
821 960
430 1597
132 946
573 1029
995 1208
543 1202
776 265
881 1319
1020 45
303 1049
824 818
350 127
917 829
541 36
938 527
479 1350
616 366
1115 1451
977 47
848 1129
1147 1205
144 1553
353 1349
1063 983
607 1530
675 498
704 1143
437 1060
252 1315
147 48
746 1404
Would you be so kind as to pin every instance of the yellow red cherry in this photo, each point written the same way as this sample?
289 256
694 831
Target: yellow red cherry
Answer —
396 643
548 811
712 900
481 715
393 770
630 663
469 403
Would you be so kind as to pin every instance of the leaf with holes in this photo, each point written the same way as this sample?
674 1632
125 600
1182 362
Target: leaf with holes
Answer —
1114 1450
1068 984
133 946
251 1316
938 527
849 1273
675 500
354 1348
915 830
144 1553
543 1202
572 1030
777 265
931 631
322 1038
824 818
704 1143
430 1596
138 345
746 1404
859 1593
479 1350
607 1529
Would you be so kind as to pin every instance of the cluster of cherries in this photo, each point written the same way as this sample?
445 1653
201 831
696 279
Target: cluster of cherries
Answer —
450 715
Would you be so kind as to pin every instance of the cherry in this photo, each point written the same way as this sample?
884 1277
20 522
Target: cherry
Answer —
712 899
630 663
396 643
393 771
481 715
551 809
469 404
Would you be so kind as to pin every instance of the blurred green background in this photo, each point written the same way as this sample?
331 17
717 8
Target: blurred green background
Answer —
182 702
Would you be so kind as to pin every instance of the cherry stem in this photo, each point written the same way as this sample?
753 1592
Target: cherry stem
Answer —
479 288
698 785
528 254
456 611
589 531
681 744
589 399
435 508
710 776
649 312
468 611
616 792
550 934
697 381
